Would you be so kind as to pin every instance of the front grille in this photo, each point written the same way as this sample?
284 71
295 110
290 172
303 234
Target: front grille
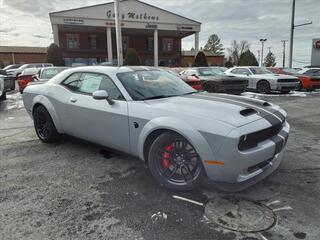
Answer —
287 80
251 140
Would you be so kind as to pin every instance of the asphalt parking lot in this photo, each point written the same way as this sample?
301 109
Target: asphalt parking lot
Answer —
75 190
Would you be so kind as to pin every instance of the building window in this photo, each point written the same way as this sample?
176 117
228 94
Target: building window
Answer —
93 42
125 43
150 44
73 41
167 44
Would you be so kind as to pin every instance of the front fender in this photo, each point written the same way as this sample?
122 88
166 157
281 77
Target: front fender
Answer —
40 99
181 127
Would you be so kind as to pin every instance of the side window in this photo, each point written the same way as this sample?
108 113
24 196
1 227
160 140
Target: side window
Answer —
235 71
108 85
88 83
191 72
73 82
243 71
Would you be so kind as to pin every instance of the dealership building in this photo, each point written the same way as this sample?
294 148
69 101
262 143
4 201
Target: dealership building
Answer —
87 35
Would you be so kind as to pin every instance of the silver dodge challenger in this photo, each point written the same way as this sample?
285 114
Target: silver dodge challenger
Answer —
183 136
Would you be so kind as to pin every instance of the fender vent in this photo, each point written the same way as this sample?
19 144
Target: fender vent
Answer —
248 112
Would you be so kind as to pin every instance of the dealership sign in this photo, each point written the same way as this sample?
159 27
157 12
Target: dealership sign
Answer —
73 21
134 16
317 44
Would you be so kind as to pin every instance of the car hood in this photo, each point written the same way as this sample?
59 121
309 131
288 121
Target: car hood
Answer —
233 110
220 78
274 76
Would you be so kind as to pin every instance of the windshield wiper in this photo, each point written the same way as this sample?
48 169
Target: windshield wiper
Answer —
157 97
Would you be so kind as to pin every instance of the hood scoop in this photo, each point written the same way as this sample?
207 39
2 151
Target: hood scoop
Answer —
247 112
266 104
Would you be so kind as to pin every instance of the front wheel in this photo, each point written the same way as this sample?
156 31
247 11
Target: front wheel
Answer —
174 162
44 125
263 87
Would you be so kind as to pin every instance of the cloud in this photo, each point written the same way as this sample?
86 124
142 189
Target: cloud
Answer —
230 19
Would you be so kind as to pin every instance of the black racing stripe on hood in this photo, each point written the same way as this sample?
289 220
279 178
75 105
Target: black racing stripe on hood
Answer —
242 99
280 115
268 116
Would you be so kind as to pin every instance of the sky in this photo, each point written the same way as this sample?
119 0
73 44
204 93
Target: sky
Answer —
26 22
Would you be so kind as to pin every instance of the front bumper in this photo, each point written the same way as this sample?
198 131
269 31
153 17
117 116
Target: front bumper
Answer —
248 166
288 86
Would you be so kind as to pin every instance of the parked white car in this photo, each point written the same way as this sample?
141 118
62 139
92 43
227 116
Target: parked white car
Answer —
16 72
263 80
310 71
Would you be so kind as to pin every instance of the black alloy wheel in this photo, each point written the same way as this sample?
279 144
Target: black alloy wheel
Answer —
44 125
174 162
263 87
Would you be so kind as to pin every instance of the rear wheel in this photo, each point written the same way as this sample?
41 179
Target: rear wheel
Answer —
263 87
13 85
44 125
174 162
3 95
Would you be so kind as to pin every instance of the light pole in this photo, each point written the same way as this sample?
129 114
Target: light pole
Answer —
284 53
293 26
118 32
262 40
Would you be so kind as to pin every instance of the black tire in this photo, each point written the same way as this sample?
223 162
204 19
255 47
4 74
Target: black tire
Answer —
174 162
13 86
3 96
44 126
263 87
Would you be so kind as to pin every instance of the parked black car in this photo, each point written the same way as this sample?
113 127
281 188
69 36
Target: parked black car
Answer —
214 80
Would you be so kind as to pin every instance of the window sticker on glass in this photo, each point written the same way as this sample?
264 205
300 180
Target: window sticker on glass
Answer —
90 83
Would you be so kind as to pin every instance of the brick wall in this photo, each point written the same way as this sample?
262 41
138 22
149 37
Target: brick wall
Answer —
7 59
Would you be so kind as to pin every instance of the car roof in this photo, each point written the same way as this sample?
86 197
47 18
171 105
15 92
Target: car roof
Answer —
115 70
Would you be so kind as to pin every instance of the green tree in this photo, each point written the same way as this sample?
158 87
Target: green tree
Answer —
248 59
132 58
200 60
55 55
214 45
228 63
1 65
270 60
237 49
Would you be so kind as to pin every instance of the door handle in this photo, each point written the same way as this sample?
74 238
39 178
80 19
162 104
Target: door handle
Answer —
73 100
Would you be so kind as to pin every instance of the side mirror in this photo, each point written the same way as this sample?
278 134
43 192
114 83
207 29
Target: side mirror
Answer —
102 95
34 78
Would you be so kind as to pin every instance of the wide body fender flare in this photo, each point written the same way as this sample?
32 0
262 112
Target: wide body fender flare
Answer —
181 127
40 99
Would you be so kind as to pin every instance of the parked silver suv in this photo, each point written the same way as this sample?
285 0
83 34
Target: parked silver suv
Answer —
263 80
16 72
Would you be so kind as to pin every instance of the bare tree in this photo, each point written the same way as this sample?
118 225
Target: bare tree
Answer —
237 49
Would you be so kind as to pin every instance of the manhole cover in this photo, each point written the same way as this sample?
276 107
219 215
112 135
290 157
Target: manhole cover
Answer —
241 215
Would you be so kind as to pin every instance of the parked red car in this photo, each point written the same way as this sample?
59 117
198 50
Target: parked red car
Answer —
25 77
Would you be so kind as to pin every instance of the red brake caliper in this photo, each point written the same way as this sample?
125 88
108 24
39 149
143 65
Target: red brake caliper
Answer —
165 157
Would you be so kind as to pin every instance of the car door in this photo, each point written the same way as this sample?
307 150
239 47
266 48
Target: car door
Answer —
245 73
96 120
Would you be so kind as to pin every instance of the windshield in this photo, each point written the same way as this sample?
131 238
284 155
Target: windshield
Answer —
144 85
210 72
50 72
260 71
